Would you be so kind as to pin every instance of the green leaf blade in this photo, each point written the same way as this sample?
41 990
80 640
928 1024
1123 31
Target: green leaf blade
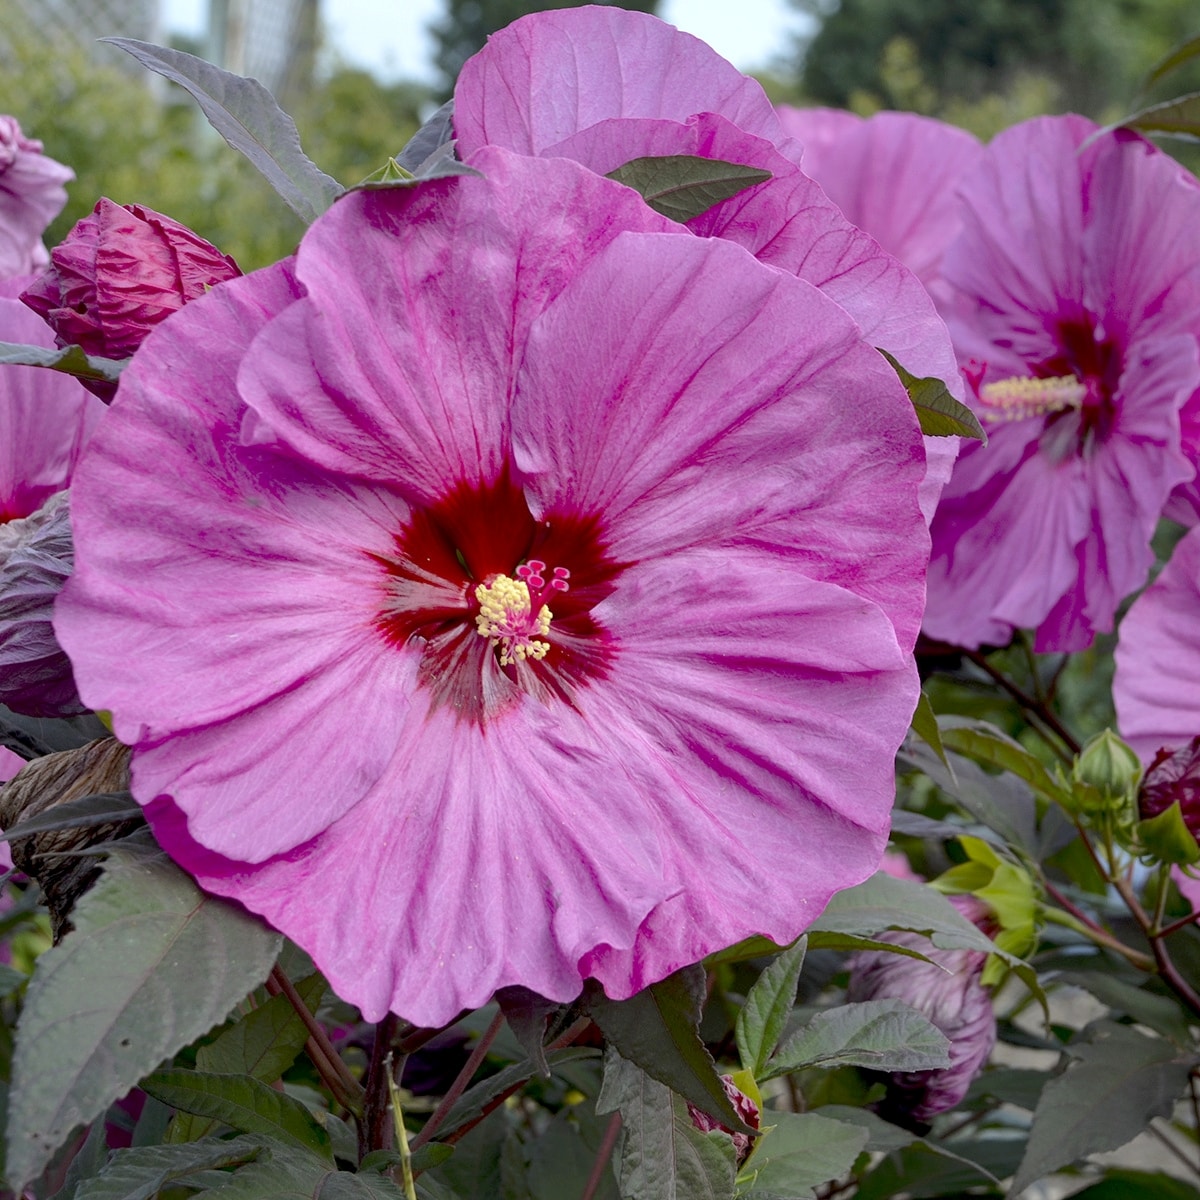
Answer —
802 1152
245 114
768 1005
159 962
682 186
71 360
939 413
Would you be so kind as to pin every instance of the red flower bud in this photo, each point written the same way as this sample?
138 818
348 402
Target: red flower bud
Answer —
121 271
1174 775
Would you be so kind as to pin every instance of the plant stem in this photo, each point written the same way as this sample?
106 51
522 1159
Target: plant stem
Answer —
1162 958
1097 932
460 1083
564 1039
347 1091
603 1157
1175 926
373 1127
1031 705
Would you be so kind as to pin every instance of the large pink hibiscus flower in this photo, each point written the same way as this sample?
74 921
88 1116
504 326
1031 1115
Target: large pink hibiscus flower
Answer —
501 599
604 86
1076 283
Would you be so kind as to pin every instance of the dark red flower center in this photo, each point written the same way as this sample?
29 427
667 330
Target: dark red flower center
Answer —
469 583
1074 389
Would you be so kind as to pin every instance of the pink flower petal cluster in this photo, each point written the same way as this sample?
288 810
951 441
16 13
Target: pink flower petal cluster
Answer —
626 85
1072 293
117 274
894 175
45 421
1158 658
502 598
31 196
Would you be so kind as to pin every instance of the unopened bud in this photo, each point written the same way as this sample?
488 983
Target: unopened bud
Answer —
1111 770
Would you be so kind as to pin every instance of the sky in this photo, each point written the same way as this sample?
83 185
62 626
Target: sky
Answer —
389 37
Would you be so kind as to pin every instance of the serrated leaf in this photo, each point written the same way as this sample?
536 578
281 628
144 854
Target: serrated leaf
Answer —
245 114
284 1173
925 726
768 1005
800 1153
101 808
987 744
939 414
882 1035
263 1043
140 1173
1106 1097
882 902
71 360
658 1029
682 186
246 1104
663 1156
159 961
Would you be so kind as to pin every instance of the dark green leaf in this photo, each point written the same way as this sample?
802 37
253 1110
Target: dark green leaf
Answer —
925 726
103 808
1106 1097
430 138
938 412
1021 1086
987 744
285 1173
682 186
140 1173
767 1008
820 939
561 1159
801 1152
245 114
883 1035
71 360
658 1029
263 1043
159 961
927 1169
663 1155
1156 1012
247 1105
1138 1185
885 1137
882 902
527 1014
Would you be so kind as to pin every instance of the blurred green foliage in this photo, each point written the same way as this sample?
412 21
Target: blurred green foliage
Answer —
985 64
138 140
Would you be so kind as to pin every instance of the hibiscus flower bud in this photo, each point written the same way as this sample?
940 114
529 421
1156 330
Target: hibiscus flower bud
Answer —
949 992
36 558
1173 777
745 1108
121 271
31 196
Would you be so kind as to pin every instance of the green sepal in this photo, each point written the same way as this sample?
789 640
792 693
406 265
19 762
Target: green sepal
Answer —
1168 839
938 412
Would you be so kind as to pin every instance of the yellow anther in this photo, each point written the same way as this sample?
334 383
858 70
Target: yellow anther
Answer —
506 620
1017 398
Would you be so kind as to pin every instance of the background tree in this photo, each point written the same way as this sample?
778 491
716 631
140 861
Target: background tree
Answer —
987 62
466 24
